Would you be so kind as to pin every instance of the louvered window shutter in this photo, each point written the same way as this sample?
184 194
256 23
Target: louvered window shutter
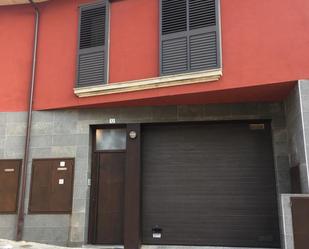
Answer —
92 50
190 38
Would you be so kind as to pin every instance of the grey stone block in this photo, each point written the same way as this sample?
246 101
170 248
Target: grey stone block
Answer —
306 119
11 154
16 117
80 192
7 221
94 114
47 221
78 219
3 117
215 111
43 234
305 104
82 140
283 163
281 149
303 83
277 107
244 109
54 243
75 244
63 151
83 127
7 233
288 225
190 112
82 164
77 234
41 141
43 116
278 122
2 154
64 127
15 143
16 129
42 128
40 152
2 129
2 142
284 181
304 178
280 135
79 205
289 242
80 177
64 140
134 115
164 113
82 152
66 116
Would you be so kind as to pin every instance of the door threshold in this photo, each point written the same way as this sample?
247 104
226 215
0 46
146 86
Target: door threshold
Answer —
102 247
195 247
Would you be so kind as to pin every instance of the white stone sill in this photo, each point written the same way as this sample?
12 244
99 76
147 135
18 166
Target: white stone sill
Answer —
13 2
151 83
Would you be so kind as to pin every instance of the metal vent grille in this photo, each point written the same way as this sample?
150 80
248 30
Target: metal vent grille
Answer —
202 13
174 55
91 69
92 27
203 51
174 16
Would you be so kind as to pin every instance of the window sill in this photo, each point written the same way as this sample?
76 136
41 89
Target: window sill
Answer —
14 2
152 83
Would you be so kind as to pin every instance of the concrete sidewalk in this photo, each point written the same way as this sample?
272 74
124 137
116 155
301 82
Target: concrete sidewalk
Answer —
8 244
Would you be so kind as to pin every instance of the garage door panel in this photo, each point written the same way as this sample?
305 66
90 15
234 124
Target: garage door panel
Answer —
215 235
211 230
209 184
227 208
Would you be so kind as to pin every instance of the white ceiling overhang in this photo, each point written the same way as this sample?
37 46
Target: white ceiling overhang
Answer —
12 2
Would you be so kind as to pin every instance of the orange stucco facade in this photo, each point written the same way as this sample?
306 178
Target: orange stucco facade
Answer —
265 49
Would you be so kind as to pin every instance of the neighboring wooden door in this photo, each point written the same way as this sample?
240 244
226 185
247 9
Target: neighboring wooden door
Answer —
9 184
110 197
300 208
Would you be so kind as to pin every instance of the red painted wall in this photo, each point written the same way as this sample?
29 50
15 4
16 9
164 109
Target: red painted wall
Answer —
264 42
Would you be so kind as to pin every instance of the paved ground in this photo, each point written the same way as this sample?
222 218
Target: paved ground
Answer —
6 244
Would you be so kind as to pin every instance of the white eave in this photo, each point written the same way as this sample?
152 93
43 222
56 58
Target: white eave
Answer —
13 2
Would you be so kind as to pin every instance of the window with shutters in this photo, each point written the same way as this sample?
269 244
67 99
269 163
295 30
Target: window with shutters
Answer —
190 36
92 47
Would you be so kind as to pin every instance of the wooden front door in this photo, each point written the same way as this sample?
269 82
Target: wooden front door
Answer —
110 198
107 193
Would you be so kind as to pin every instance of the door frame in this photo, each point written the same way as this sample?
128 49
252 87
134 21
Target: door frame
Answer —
93 203
132 186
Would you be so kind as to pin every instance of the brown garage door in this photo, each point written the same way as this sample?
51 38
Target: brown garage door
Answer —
209 184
